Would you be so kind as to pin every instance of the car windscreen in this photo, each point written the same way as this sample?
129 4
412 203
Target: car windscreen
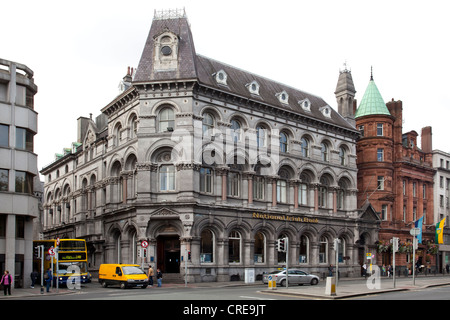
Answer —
132 270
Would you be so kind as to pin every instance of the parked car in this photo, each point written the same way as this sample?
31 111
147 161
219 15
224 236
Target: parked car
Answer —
296 276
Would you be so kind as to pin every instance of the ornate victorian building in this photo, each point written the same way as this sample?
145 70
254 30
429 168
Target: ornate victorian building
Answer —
211 164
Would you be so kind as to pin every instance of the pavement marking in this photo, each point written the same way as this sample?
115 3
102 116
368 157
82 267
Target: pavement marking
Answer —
255 298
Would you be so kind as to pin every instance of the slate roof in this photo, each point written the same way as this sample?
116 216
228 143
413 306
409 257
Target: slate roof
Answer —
202 69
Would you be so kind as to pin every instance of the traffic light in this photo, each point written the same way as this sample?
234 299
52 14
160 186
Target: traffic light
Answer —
281 245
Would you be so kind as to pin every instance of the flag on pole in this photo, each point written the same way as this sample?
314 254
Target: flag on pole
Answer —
418 224
440 232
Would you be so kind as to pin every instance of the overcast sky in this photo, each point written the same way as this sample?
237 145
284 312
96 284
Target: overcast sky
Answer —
80 50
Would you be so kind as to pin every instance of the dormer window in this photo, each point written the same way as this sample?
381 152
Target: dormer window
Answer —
326 111
253 87
305 104
166 52
221 77
283 97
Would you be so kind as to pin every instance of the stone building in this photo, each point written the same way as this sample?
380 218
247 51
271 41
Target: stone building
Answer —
395 175
211 165
18 170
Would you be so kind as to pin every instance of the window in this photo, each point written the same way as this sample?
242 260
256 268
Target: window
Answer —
258 187
261 136
414 214
441 201
207 246
206 180
323 250
404 213
233 184
4 135
361 130
441 181
234 247
342 156
380 154
324 151
380 183
404 187
281 191
166 120
24 139
208 124
259 248
414 189
323 192
379 129
384 212
235 130
304 147
304 250
167 178
303 194
4 180
133 126
24 182
283 142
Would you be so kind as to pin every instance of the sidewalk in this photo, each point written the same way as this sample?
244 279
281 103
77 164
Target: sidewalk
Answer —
346 288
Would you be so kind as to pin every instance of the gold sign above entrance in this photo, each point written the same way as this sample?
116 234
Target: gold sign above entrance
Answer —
283 217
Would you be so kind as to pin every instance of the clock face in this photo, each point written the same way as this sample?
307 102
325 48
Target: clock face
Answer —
166 51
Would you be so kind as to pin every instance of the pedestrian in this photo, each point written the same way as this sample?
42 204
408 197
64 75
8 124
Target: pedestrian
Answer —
383 270
6 282
330 270
34 276
159 277
48 277
151 273
364 270
447 267
389 271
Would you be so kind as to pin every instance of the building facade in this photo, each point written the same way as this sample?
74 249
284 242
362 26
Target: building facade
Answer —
441 163
211 165
396 177
18 170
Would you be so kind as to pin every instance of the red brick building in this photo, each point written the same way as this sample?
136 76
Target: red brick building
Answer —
395 176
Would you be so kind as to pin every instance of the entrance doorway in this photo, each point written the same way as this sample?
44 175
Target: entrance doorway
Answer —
168 254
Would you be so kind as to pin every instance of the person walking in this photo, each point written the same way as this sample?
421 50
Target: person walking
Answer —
34 276
330 270
48 277
6 282
151 273
159 277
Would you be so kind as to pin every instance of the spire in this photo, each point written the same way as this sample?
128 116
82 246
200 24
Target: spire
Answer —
372 102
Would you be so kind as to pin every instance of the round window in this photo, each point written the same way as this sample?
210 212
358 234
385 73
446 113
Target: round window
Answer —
166 50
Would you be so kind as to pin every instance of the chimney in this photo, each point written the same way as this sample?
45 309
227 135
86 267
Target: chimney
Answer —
427 140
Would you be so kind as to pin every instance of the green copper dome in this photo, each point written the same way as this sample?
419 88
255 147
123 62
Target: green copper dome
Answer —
372 102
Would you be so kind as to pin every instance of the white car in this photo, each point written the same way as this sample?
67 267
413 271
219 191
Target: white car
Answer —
295 277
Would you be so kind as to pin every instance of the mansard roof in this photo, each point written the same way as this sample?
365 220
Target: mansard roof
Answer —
203 70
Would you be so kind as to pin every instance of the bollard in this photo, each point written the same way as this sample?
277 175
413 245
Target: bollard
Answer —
272 284
330 288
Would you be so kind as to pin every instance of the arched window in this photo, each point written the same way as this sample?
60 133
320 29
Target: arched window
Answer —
117 135
206 177
207 247
323 250
261 137
282 183
133 126
235 130
323 192
166 120
342 156
304 144
283 142
303 190
304 249
324 152
234 247
208 124
259 248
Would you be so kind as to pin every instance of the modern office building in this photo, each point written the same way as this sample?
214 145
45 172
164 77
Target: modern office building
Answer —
211 165
18 170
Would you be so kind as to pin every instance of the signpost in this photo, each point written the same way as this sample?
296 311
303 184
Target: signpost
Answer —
414 232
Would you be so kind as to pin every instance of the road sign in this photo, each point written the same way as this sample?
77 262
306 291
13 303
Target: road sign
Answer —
144 244
51 251
414 231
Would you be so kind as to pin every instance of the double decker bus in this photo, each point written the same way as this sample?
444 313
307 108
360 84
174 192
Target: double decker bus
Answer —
72 260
